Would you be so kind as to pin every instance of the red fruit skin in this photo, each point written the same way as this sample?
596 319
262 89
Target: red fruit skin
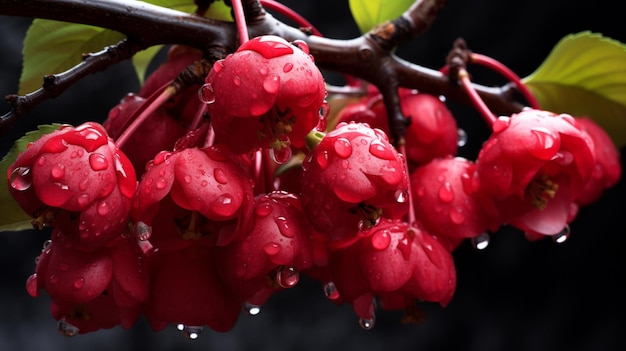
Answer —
186 289
527 152
352 165
82 173
160 132
607 170
279 99
448 202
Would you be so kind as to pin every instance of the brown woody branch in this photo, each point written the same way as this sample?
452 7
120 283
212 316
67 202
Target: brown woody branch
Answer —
368 57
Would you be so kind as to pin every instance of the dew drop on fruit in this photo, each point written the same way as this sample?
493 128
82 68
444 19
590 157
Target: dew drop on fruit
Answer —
220 176
457 215
83 200
446 193
237 81
79 283
367 323
380 150
218 65
342 147
281 155
271 84
546 144
330 291
251 309
160 183
142 231
53 279
381 240
103 208
58 171
402 196
561 236
322 159
481 241
98 162
263 209
500 124
21 178
66 328
31 285
287 276
272 249
287 67
206 93
461 138
284 227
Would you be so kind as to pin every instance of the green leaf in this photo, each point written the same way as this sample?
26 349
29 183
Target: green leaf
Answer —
142 60
12 217
585 75
51 47
218 9
369 13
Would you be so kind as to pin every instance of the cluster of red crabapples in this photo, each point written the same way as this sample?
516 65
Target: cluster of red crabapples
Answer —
190 227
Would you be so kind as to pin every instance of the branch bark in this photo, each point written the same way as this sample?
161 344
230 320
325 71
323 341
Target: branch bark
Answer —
368 57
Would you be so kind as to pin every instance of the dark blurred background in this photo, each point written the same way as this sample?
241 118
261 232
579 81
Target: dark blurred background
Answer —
515 295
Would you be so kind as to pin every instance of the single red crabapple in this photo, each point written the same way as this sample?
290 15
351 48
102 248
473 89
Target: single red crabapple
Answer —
78 180
351 179
267 94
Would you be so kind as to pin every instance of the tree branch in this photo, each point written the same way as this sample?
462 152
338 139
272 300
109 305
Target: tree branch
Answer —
368 57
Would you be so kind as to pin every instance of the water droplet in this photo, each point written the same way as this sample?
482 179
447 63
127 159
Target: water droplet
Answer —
46 245
191 332
251 309
481 241
562 236
343 147
330 291
225 199
31 285
187 178
381 240
287 276
271 84
83 200
21 178
220 176
367 323
58 171
218 65
547 144
402 196
287 67
263 209
284 227
461 138
204 183
142 231
53 279
457 215
446 194
272 249
66 328
79 283
322 159
237 81
98 162
103 208
281 155
206 93
160 183
380 150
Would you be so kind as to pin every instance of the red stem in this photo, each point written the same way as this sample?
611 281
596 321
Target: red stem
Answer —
411 215
477 101
240 20
508 74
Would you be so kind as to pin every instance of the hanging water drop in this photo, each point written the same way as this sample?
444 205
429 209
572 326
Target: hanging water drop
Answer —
367 323
561 236
191 332
287 276
21 178
462 138
206 93
251 309
142 231
481 241
32 286
330 291
402 196
66 328
281 155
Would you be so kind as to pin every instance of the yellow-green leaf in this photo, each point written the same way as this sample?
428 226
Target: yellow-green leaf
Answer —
51 47
12 217
142 60
585 75
369 13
